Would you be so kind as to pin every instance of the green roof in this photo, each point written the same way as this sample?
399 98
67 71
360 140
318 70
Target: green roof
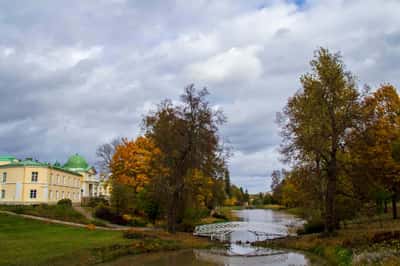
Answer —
29 162
7 158
33 163
76 163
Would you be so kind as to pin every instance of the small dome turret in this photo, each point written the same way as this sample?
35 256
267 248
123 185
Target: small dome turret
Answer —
76 163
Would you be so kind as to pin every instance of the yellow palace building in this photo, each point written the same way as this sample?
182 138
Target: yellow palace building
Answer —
32 182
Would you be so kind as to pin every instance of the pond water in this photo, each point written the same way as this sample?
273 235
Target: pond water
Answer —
238 250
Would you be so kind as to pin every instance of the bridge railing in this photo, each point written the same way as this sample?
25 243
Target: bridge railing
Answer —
221 230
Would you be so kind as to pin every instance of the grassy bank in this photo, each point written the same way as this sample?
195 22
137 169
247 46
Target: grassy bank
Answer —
363 242
57 212
31 242
275 207
222 215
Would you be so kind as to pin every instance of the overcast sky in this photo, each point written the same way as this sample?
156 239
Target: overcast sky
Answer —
76 74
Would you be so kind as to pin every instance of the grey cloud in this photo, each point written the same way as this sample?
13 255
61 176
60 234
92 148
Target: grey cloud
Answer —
78 73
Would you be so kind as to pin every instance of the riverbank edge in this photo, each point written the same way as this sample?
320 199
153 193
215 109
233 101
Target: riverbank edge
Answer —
331 254
360 245
149 243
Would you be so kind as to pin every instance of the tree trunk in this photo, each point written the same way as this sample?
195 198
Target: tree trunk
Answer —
394 203
330 215
385 208
172 213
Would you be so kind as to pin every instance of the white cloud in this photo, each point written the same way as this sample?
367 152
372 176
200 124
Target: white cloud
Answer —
8 51
235 64
63 57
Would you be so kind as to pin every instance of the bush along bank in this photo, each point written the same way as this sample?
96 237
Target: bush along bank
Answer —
365 244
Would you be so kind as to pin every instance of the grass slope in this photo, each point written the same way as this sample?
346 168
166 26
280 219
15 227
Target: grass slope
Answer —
31 242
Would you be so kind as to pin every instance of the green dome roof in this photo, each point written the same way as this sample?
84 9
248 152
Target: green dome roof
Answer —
7 158
76 163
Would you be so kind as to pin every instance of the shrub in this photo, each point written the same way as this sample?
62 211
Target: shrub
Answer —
311 227
65 202
134 220
20 209
191 218
103 212
219 216
344 256
91 227
95 201
385 236
152 210
132 234
106 213
137 221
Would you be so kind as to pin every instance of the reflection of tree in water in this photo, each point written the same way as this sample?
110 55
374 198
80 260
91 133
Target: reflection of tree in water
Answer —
274 258
258 225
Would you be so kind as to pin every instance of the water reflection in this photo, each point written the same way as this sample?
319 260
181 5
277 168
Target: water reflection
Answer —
205 258
278 258
238 250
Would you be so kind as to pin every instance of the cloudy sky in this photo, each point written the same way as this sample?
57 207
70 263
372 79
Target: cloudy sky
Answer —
75 74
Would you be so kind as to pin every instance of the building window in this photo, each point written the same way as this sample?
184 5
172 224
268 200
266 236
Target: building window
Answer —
57 195
33 194
62 194
34 176
4 180
63 180
50 195
3 194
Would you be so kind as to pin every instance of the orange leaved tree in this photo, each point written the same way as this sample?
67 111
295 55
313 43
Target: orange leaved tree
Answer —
134 162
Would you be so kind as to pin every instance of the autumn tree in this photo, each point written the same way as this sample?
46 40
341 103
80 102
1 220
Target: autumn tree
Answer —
374 146
187 136
135 162
316 119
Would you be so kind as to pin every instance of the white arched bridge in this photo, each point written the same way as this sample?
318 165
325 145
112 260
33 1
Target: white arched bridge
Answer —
220 231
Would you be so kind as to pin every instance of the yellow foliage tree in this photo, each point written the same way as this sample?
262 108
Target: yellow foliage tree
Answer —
134 162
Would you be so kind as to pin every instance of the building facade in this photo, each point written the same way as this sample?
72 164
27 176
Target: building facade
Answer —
31 182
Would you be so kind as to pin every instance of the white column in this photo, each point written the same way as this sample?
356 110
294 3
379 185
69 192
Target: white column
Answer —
18 191
45 193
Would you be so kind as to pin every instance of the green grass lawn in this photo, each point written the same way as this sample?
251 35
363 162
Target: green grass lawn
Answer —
31 242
